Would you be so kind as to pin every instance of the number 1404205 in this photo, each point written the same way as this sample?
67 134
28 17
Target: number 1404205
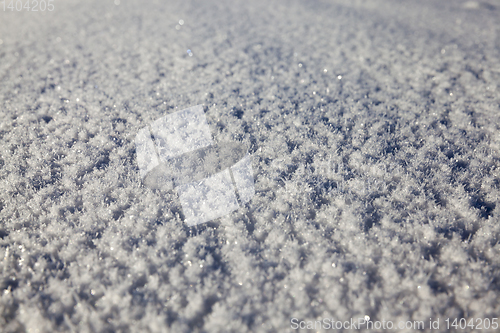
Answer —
472 323
28 5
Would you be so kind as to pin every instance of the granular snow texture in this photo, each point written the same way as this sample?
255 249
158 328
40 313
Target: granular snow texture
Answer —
373 128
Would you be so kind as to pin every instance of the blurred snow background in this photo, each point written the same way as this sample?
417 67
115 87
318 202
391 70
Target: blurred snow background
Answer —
374 132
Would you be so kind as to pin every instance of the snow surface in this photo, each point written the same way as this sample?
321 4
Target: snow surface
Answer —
373 127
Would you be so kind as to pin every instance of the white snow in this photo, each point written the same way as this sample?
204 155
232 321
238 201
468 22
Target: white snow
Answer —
377 180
